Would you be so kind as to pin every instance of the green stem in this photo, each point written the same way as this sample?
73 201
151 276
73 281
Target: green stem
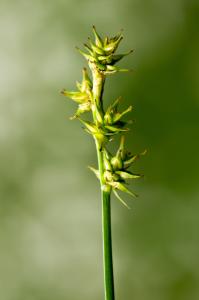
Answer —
107 246
98 86
106 231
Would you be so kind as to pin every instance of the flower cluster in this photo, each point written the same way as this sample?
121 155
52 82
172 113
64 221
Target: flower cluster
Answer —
116 170
83 96
101 59
107 124
102 53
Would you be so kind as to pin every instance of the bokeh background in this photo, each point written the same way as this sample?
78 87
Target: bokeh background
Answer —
50 211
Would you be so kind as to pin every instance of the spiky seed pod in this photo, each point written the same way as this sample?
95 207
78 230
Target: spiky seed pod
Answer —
101 53
116 163
83 96
115 173
98 40
106 159
112 117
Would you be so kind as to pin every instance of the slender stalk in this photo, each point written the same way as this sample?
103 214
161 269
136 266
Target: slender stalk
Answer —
106 232
98 86
107 246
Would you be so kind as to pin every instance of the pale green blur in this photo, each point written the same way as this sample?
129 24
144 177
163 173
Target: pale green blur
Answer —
50 212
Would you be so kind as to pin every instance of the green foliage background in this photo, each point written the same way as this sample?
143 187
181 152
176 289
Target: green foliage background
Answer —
50 211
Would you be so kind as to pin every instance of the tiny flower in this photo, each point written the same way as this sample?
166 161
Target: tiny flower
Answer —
83 96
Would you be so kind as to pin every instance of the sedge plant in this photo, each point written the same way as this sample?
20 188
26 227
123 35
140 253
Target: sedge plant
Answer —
113 169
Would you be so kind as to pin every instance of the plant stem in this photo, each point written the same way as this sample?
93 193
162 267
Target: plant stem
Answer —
98 86
107 246
106 231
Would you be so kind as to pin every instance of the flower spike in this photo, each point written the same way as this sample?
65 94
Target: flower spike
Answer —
104 125
102 53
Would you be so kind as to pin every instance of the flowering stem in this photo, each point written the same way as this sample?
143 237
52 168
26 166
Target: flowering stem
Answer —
106 232
98 86
113 170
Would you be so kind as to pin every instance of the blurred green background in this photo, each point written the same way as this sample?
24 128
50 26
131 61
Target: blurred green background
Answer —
50 212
